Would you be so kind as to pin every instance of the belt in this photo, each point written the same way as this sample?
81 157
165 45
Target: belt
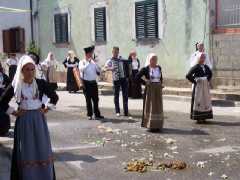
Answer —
90 82
155 82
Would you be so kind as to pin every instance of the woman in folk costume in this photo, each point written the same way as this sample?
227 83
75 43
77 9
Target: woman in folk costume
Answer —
200 75
49 66
32 157
39 69
70 62
4 117
152 104
134 87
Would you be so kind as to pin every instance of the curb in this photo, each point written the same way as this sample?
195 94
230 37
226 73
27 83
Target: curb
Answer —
215 102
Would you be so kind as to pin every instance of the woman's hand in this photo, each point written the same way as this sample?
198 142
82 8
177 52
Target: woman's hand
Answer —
43 110
19 112
147 82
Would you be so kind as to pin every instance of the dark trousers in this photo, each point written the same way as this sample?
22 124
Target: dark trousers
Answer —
90 91
117 85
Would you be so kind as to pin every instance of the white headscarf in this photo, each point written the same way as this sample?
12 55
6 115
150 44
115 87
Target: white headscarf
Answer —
195 58
149 57
72 55
48 61
18 78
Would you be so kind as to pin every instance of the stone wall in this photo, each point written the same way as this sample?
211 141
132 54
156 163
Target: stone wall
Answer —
224 51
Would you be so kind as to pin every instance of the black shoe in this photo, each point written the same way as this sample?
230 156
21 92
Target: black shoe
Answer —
90 118
201 121
99 117
152 130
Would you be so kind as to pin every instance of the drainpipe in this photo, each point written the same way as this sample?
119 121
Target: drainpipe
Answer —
31 20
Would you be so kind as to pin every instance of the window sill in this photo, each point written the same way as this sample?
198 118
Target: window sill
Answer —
147 41
226 31
61 45
99 43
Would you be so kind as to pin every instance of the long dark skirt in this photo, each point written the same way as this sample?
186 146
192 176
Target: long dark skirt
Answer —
201 109
12 71
32 157
4 119
153 117
71 82
134 87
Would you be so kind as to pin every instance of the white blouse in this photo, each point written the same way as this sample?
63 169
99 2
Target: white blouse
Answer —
29 101
155 74
135 64
11 61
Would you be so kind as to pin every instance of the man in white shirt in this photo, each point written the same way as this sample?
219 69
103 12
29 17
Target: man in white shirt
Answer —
12 63
89 71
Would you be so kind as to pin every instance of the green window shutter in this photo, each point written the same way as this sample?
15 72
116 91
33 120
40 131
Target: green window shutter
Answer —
146 13
140 20
100 24
61 28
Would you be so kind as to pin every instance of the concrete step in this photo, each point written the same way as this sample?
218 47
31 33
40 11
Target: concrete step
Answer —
233 95
215 102
101 85
226 96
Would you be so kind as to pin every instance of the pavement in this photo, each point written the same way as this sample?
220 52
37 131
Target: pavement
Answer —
99 150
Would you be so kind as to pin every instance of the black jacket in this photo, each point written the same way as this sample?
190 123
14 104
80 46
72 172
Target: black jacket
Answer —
145 71
43 87
197 71
76 60
6 81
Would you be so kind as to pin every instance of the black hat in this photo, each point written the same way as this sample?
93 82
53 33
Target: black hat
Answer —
34 56
89 49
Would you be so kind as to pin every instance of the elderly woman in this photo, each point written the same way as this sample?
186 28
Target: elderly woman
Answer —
32 156
49 66
71 62
200 75
152 104
134 87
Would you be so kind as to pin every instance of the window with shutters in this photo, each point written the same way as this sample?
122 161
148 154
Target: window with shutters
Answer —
61 28
14 40
228 13
100 24
146 19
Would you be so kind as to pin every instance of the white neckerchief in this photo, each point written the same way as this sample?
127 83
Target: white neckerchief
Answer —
154 74
203 68
135 64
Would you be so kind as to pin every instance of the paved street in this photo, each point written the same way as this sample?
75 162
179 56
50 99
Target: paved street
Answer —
99 150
